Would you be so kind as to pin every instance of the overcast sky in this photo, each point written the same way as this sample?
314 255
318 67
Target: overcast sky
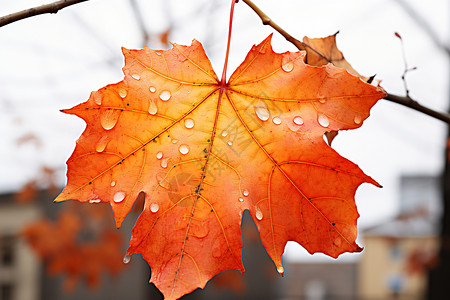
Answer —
52 62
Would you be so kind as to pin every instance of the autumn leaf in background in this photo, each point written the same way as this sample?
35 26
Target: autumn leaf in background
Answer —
203 151
59 245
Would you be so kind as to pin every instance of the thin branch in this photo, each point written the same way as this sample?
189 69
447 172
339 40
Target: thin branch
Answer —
51 8
140 22
406 101
413 104
423 24
268 21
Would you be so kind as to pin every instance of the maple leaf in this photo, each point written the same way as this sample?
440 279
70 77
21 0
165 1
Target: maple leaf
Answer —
58 245
204 151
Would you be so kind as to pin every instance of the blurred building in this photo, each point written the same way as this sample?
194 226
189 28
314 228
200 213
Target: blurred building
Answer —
393 264
399 252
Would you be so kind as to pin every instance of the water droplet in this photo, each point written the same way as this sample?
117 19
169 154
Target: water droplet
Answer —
224 133
280 270
184 149
95 201
159 155
358 119
136 76
158 52
174 141
241 199
276 121
298 120
259 214
109 118
113 183
152 89
154 207
245 193
323 121
230 143
165 95
288 67
123 93
189 123
97 98
126 258
322 100
152 108
119 196
101 144
261 111
164 163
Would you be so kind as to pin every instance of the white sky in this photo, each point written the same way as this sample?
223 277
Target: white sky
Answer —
52 62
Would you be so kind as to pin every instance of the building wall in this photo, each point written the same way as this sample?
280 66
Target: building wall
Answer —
319 281
19 269
384 270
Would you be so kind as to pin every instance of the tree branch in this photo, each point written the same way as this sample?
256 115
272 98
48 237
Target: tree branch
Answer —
51 8
422 23
413 104
406 101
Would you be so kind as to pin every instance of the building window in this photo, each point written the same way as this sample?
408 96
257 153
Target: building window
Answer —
6 291
7 251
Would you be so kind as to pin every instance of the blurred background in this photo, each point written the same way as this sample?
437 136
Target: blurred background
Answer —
69 251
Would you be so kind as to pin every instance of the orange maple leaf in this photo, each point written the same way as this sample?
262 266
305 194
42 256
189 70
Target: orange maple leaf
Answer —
58 245
204 151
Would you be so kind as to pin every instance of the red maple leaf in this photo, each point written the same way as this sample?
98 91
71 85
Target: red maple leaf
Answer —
203 151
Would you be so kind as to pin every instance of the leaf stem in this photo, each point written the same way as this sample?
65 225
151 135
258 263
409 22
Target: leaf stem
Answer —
51 8
405 101
224 73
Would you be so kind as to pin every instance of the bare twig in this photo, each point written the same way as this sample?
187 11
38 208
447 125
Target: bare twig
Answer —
268 21
413 104
424 25
406 101
51 8
140 21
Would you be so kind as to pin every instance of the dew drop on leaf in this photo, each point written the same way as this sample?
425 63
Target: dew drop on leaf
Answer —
189 123
184 149
97 98
164 163
126 258
154 207
261 111
118 197
165 95
152 108
323 121
123 93
322 100
159 155
109 118
287 64
113 183
259 214
230 143
298 120
152 89
280 270
101 144
241 199
174 141
276 121
136 76
245 193
224 133
95 201
358 119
